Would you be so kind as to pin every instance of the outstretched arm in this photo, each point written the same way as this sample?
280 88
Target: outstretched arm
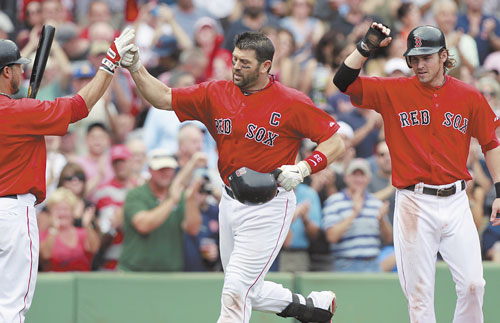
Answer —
152 89
94 90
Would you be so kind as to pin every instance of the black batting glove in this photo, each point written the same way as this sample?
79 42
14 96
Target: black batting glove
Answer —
371 41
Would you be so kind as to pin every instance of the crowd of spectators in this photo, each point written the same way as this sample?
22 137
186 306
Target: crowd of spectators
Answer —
131 188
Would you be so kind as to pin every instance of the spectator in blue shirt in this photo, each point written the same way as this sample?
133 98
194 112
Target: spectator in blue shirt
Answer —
354 223
306 225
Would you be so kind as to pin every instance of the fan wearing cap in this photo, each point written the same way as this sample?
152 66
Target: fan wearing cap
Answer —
355 222
24 123
157 214
429 120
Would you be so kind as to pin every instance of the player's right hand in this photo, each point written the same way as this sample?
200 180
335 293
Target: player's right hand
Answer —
131 59
292 175
495 210
118 48
377 36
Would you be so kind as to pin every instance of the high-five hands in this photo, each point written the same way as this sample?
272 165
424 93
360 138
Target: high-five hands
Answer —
120 46
131 59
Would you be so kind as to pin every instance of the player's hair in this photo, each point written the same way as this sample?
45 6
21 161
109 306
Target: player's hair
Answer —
450 61
258 42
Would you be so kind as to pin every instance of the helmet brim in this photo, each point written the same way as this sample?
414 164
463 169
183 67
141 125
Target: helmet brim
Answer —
22 60
422 51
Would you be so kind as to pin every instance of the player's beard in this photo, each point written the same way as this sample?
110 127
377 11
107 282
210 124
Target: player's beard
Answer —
246 81
15 83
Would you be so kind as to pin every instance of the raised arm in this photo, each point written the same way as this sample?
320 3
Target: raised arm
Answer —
377 36
153 90
94 90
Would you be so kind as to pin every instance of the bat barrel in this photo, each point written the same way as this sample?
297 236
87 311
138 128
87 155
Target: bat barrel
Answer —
42 55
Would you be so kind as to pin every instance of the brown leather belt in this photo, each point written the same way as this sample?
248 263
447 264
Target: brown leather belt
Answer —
446 191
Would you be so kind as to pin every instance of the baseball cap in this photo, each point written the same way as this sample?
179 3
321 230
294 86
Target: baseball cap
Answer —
396 64
345 129
9 54
120 152
66 32
359 164
5 23
160 158
85 70
492 62
205 22
166 45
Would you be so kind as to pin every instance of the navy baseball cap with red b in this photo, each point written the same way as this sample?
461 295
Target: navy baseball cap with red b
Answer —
9 54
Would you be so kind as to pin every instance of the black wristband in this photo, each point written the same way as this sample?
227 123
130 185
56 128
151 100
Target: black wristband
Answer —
497 188
345 76
363 48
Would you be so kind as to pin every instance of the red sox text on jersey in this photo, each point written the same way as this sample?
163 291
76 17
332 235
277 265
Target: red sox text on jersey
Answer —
423 117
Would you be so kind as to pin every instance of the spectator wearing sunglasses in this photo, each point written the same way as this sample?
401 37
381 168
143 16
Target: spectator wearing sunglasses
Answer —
73 178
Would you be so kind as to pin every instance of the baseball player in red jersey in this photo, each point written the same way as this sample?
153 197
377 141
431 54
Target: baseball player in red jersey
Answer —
429 120
257 123
23 124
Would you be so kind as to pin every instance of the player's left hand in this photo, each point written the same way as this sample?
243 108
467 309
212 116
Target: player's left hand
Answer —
119 47
292 175
495 210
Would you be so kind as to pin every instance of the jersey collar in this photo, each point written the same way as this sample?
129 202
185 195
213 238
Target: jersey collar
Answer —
268 85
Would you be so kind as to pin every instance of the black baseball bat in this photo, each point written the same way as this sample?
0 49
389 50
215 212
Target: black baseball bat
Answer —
42 55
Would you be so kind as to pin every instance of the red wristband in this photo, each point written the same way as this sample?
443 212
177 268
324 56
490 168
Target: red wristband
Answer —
317 161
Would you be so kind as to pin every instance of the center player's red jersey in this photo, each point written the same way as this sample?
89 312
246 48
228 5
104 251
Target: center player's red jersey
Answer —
428 130
261 131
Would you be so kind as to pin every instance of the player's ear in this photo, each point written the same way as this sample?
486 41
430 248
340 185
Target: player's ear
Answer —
265 67
6 71
443 55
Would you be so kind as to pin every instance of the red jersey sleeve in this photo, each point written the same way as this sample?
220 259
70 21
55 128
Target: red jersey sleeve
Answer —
310 121
34 117
484 123
367 92
191 103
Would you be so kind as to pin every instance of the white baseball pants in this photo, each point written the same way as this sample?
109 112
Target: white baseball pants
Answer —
19 247
423 226
250 239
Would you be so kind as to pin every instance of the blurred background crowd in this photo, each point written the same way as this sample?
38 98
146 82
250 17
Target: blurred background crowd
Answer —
104 176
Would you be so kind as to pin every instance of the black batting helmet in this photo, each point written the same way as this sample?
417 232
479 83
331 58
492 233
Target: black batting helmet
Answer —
251 187
9 54
424 40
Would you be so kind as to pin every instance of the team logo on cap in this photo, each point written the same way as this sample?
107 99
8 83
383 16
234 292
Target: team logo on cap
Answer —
418 42
241 171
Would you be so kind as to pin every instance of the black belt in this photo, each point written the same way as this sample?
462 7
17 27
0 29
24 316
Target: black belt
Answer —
229 192
12 196
447 191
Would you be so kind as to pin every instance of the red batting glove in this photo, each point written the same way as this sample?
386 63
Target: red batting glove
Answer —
119 47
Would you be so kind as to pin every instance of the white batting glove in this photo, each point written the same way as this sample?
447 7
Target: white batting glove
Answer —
131 60
115 52
292 175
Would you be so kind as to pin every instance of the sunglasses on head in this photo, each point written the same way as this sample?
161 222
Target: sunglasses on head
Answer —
80 177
